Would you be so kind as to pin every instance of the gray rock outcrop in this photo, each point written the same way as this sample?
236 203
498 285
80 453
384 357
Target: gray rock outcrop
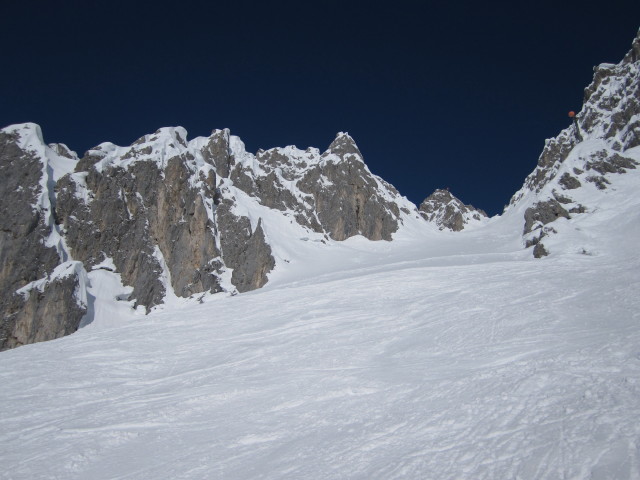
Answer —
52 308
448 211
28 252
245 250
348 200
150 219
542 213
332 193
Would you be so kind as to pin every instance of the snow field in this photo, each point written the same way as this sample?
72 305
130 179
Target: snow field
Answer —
480 368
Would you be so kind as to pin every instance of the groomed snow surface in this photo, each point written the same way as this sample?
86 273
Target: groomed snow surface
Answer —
436 356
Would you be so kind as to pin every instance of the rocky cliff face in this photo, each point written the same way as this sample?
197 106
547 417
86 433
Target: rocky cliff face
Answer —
448 212
41 291
579 164
149 208
168 216
332 193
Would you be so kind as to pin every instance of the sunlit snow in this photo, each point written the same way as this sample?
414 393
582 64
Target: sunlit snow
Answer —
438 355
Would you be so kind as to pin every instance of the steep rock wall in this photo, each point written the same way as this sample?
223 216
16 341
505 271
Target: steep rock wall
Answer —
29 253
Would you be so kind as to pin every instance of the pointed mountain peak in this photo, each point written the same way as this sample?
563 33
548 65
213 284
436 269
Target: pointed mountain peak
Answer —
441 194
448 212
344 145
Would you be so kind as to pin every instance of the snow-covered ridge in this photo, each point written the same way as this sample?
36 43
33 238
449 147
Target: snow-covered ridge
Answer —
577 167
182 218
610 113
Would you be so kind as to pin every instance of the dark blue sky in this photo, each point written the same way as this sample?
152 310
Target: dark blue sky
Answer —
436 94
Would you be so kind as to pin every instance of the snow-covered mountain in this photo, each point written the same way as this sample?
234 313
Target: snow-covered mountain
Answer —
437 354
169 217
580 166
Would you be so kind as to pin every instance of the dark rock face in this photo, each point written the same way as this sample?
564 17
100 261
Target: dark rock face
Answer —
141 217
603 162
23 227
108 227
448 212
244 250
350 207
568 182
332 193
539 251
217 152
24 255
47 313
542 213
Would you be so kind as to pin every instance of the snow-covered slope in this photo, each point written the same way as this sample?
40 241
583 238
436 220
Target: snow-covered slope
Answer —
438 355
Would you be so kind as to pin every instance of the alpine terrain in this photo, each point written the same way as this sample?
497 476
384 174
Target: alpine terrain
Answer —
289 314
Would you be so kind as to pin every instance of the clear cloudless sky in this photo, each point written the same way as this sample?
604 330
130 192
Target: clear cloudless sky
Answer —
436 94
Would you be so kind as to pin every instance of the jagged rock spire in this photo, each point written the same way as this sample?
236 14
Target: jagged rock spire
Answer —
344 144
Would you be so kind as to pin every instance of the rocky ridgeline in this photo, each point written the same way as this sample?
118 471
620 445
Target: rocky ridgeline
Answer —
165 213
170 216
581 161
448 212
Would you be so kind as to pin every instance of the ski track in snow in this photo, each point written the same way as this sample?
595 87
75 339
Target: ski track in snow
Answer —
459 359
